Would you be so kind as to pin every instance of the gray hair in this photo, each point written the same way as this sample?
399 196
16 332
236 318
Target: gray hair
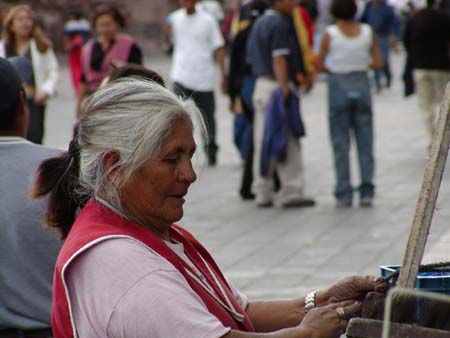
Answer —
134 117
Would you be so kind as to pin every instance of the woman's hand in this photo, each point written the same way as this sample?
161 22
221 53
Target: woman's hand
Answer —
352 288
329 321
41 98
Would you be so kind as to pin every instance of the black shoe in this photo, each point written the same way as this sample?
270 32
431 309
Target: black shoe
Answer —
212 160
245 195
300 202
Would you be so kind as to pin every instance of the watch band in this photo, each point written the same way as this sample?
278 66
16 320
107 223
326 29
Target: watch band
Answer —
310 301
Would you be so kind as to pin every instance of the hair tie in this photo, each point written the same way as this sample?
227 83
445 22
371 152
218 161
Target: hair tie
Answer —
74 149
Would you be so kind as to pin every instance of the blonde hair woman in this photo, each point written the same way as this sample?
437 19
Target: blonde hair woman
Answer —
22 36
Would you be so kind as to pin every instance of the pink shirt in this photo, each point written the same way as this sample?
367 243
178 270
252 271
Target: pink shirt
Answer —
122 288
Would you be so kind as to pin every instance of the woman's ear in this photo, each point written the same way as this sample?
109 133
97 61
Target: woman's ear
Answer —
110 160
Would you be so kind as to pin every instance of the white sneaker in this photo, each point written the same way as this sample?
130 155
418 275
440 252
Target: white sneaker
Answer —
263 200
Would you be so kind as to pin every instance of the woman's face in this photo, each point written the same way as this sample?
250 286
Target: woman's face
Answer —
22 24
106 27
188 4
154 195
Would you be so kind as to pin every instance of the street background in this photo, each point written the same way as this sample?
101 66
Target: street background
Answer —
273 253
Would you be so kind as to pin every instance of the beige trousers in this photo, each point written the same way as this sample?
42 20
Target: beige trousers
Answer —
290 171
430 87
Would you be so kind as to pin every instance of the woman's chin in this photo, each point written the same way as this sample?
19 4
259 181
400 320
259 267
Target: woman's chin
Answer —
176 215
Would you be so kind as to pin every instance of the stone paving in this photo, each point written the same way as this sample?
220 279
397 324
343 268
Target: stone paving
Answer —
273 253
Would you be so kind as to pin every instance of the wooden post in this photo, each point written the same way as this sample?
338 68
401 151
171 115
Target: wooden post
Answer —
428 196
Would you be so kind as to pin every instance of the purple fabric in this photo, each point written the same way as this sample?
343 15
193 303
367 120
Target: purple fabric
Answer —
281 114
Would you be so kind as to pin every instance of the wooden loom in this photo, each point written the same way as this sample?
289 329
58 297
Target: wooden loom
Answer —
369 328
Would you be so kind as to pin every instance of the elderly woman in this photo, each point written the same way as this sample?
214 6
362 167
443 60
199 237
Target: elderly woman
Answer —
125 269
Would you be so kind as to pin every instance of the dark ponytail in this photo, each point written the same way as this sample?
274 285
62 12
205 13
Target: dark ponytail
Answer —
58 177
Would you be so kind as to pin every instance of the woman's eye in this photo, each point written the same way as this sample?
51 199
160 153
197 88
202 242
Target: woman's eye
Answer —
172 160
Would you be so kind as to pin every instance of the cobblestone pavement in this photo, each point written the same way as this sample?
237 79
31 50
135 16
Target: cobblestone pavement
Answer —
275 253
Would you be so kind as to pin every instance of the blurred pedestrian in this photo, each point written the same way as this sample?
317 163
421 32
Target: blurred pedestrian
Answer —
384 22
301 57
212 7
407 76
241 84
28 251
275 57
76 33
427 36
308 11
324 19
347 51
311 7
241 18
22 36
197 42
109 48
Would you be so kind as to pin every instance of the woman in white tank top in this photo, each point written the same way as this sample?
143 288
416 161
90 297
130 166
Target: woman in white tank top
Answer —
347 51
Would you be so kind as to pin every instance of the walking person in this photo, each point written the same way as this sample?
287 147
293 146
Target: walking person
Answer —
276 60
241 84
427 37
22 36
197 43
384 22
76 33
347 50
28 251
110 47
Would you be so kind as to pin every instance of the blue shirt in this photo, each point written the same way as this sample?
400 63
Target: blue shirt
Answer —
381 18
269 38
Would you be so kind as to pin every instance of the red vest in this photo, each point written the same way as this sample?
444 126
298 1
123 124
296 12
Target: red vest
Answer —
96 223
119 51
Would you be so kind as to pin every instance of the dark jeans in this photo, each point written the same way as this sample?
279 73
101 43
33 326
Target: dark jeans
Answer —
206 104
350 109
35 132
384 44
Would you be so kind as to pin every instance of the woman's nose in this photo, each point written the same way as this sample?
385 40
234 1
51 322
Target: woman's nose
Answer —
187 172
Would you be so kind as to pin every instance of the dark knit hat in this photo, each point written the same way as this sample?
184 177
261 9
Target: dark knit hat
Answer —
10 86
23 67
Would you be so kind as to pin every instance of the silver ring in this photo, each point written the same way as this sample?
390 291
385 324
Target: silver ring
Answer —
341 313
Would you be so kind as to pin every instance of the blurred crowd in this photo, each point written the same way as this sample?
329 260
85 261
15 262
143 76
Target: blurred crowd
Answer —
321 42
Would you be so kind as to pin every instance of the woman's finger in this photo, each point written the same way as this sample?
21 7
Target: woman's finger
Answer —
340 304
352 310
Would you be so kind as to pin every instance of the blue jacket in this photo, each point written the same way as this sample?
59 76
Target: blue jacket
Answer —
280 115
381 18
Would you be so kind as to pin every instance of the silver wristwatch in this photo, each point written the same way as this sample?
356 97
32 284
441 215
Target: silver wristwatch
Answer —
310 301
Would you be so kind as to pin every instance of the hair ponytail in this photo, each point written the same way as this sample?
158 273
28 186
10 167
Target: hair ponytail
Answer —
58 177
